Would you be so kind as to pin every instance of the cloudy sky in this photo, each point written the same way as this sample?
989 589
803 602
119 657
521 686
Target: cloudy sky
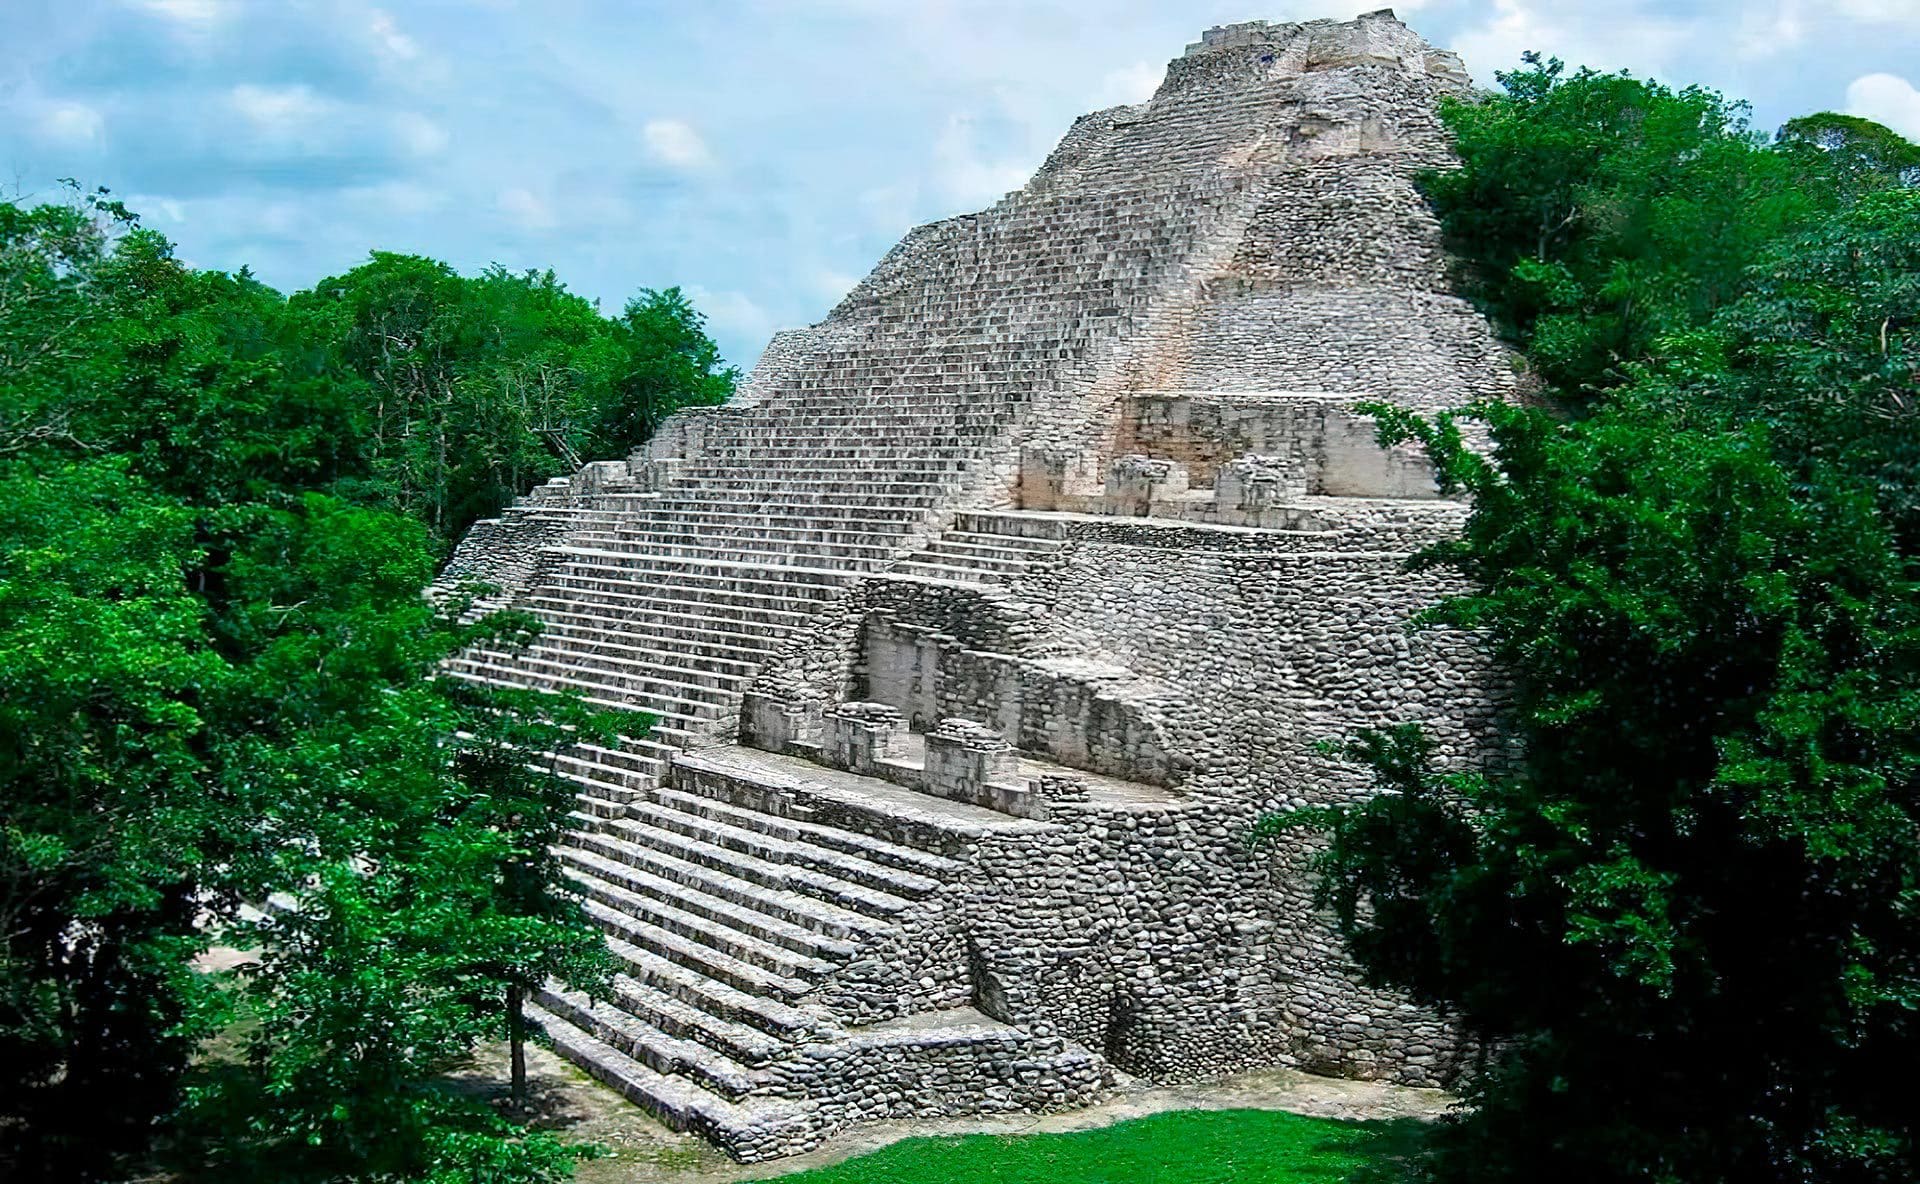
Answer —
760 153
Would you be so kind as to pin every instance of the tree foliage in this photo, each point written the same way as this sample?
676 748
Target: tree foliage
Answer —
1685 922
1596 214
218 511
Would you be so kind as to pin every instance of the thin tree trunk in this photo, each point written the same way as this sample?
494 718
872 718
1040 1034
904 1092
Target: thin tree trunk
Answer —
517 1038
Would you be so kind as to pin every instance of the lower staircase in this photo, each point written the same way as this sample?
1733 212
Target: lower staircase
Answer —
728 909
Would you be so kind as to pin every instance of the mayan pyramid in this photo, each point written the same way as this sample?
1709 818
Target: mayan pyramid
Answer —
986 619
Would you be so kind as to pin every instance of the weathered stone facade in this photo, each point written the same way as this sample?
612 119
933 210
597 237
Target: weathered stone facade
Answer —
987 619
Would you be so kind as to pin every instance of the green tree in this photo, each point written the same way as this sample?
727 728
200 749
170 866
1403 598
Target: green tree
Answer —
1598 212
106 820
216 689
667 362
1685 922
1685 925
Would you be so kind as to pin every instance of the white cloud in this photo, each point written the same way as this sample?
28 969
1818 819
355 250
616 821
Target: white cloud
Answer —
1643 37
1129 84
175 211
1764 33
888 208
833 284
404 199
390 38
1888 99
278 108
68 122
185 12
419 135
1884 12
963 174
734 313
673 142
526 207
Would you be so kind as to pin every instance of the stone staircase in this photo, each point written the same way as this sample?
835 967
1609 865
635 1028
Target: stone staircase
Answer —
725 916
975 551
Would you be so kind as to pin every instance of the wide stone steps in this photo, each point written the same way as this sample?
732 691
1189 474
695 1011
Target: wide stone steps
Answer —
691 941
657 1050
685 705
770 517
866 552
804 924
851 842
715 835
663 656
634 584
606 597
614 670
777 511
709 996
670 713
604 793
674 666
700 639
629 772
741 1043
870 894
750 1130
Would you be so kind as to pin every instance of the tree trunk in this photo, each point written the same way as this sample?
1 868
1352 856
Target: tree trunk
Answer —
517 1038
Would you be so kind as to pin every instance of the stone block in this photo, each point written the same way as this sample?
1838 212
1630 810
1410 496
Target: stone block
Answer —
1253 483
1135 482
770 724
1043 478
962 756
858 736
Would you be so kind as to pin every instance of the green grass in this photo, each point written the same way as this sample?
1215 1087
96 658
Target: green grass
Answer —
1189 1147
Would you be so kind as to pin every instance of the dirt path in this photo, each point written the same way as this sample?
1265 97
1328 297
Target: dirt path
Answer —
645 1152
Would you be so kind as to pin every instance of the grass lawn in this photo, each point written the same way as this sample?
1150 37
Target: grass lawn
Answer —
1187 1147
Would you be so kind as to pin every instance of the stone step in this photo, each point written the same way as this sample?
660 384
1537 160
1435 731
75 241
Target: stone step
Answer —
575 652
657 1050
695 572
803 923
717 834
598 804
733 608
740 1043
707 996
660 657
781 783
750 1131
592 783
638 753
668 722
688 706
869 847
739 932
948 573
710 961
949 555
763 529
745 549
667 831
634 582
719 512
699 638
643 677
1014 525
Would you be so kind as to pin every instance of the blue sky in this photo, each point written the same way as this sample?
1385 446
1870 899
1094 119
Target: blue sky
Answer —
760 153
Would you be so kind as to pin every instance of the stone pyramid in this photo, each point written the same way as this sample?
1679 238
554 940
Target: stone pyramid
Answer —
986 619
